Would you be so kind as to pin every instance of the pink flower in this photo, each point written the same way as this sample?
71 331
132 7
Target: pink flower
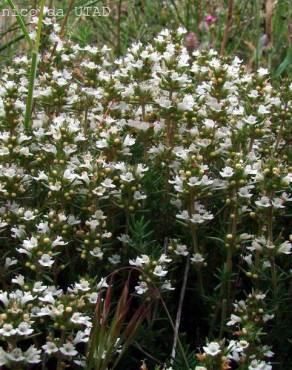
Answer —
209 19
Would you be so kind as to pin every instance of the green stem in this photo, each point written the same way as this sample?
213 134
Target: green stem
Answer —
33 70
193 230
272 257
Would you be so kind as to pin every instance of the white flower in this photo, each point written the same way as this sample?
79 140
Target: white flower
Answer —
77 318
234 319
39 287
227 172
108 183
197 258
43 227
7 330
197 219
187 103
84 285
81 337
158 271
102 284
212 349
285 247
181 249
48 297
138 195
10 262
259 365
163 102
50 348
167 286
24 329
3 358
262 72
97 252
141 288
244 192
124 238
114 259
183 215
16 355
129 141
46 260
93 297
251 120
18 279
278 203
263 109
263 202
4 298
181 30
193 181
28 245
140 261
253 94
164 259
41 176
58 241
268 317
68 349
127 177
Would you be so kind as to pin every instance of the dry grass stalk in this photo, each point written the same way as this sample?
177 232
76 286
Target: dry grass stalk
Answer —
227 27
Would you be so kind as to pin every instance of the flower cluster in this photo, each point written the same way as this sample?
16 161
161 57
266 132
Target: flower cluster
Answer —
188 141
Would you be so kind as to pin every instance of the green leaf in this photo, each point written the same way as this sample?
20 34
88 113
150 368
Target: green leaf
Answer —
285 63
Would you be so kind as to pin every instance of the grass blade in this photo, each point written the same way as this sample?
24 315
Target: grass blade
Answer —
21 23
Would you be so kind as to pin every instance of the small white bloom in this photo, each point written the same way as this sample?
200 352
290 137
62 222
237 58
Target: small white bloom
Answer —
140 261
108 183
181 249
227 172
97 252
50 348
197 258
285 247
46 260
187 103
263 202
68 350
158 271
212 349
24 329
7 330
141 288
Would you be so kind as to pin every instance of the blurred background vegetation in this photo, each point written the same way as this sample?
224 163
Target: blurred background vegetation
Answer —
258 31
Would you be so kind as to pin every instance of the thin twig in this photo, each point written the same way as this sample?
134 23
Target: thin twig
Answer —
179 310
177 12
63 25
136 344
269 5
227 27
11 42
